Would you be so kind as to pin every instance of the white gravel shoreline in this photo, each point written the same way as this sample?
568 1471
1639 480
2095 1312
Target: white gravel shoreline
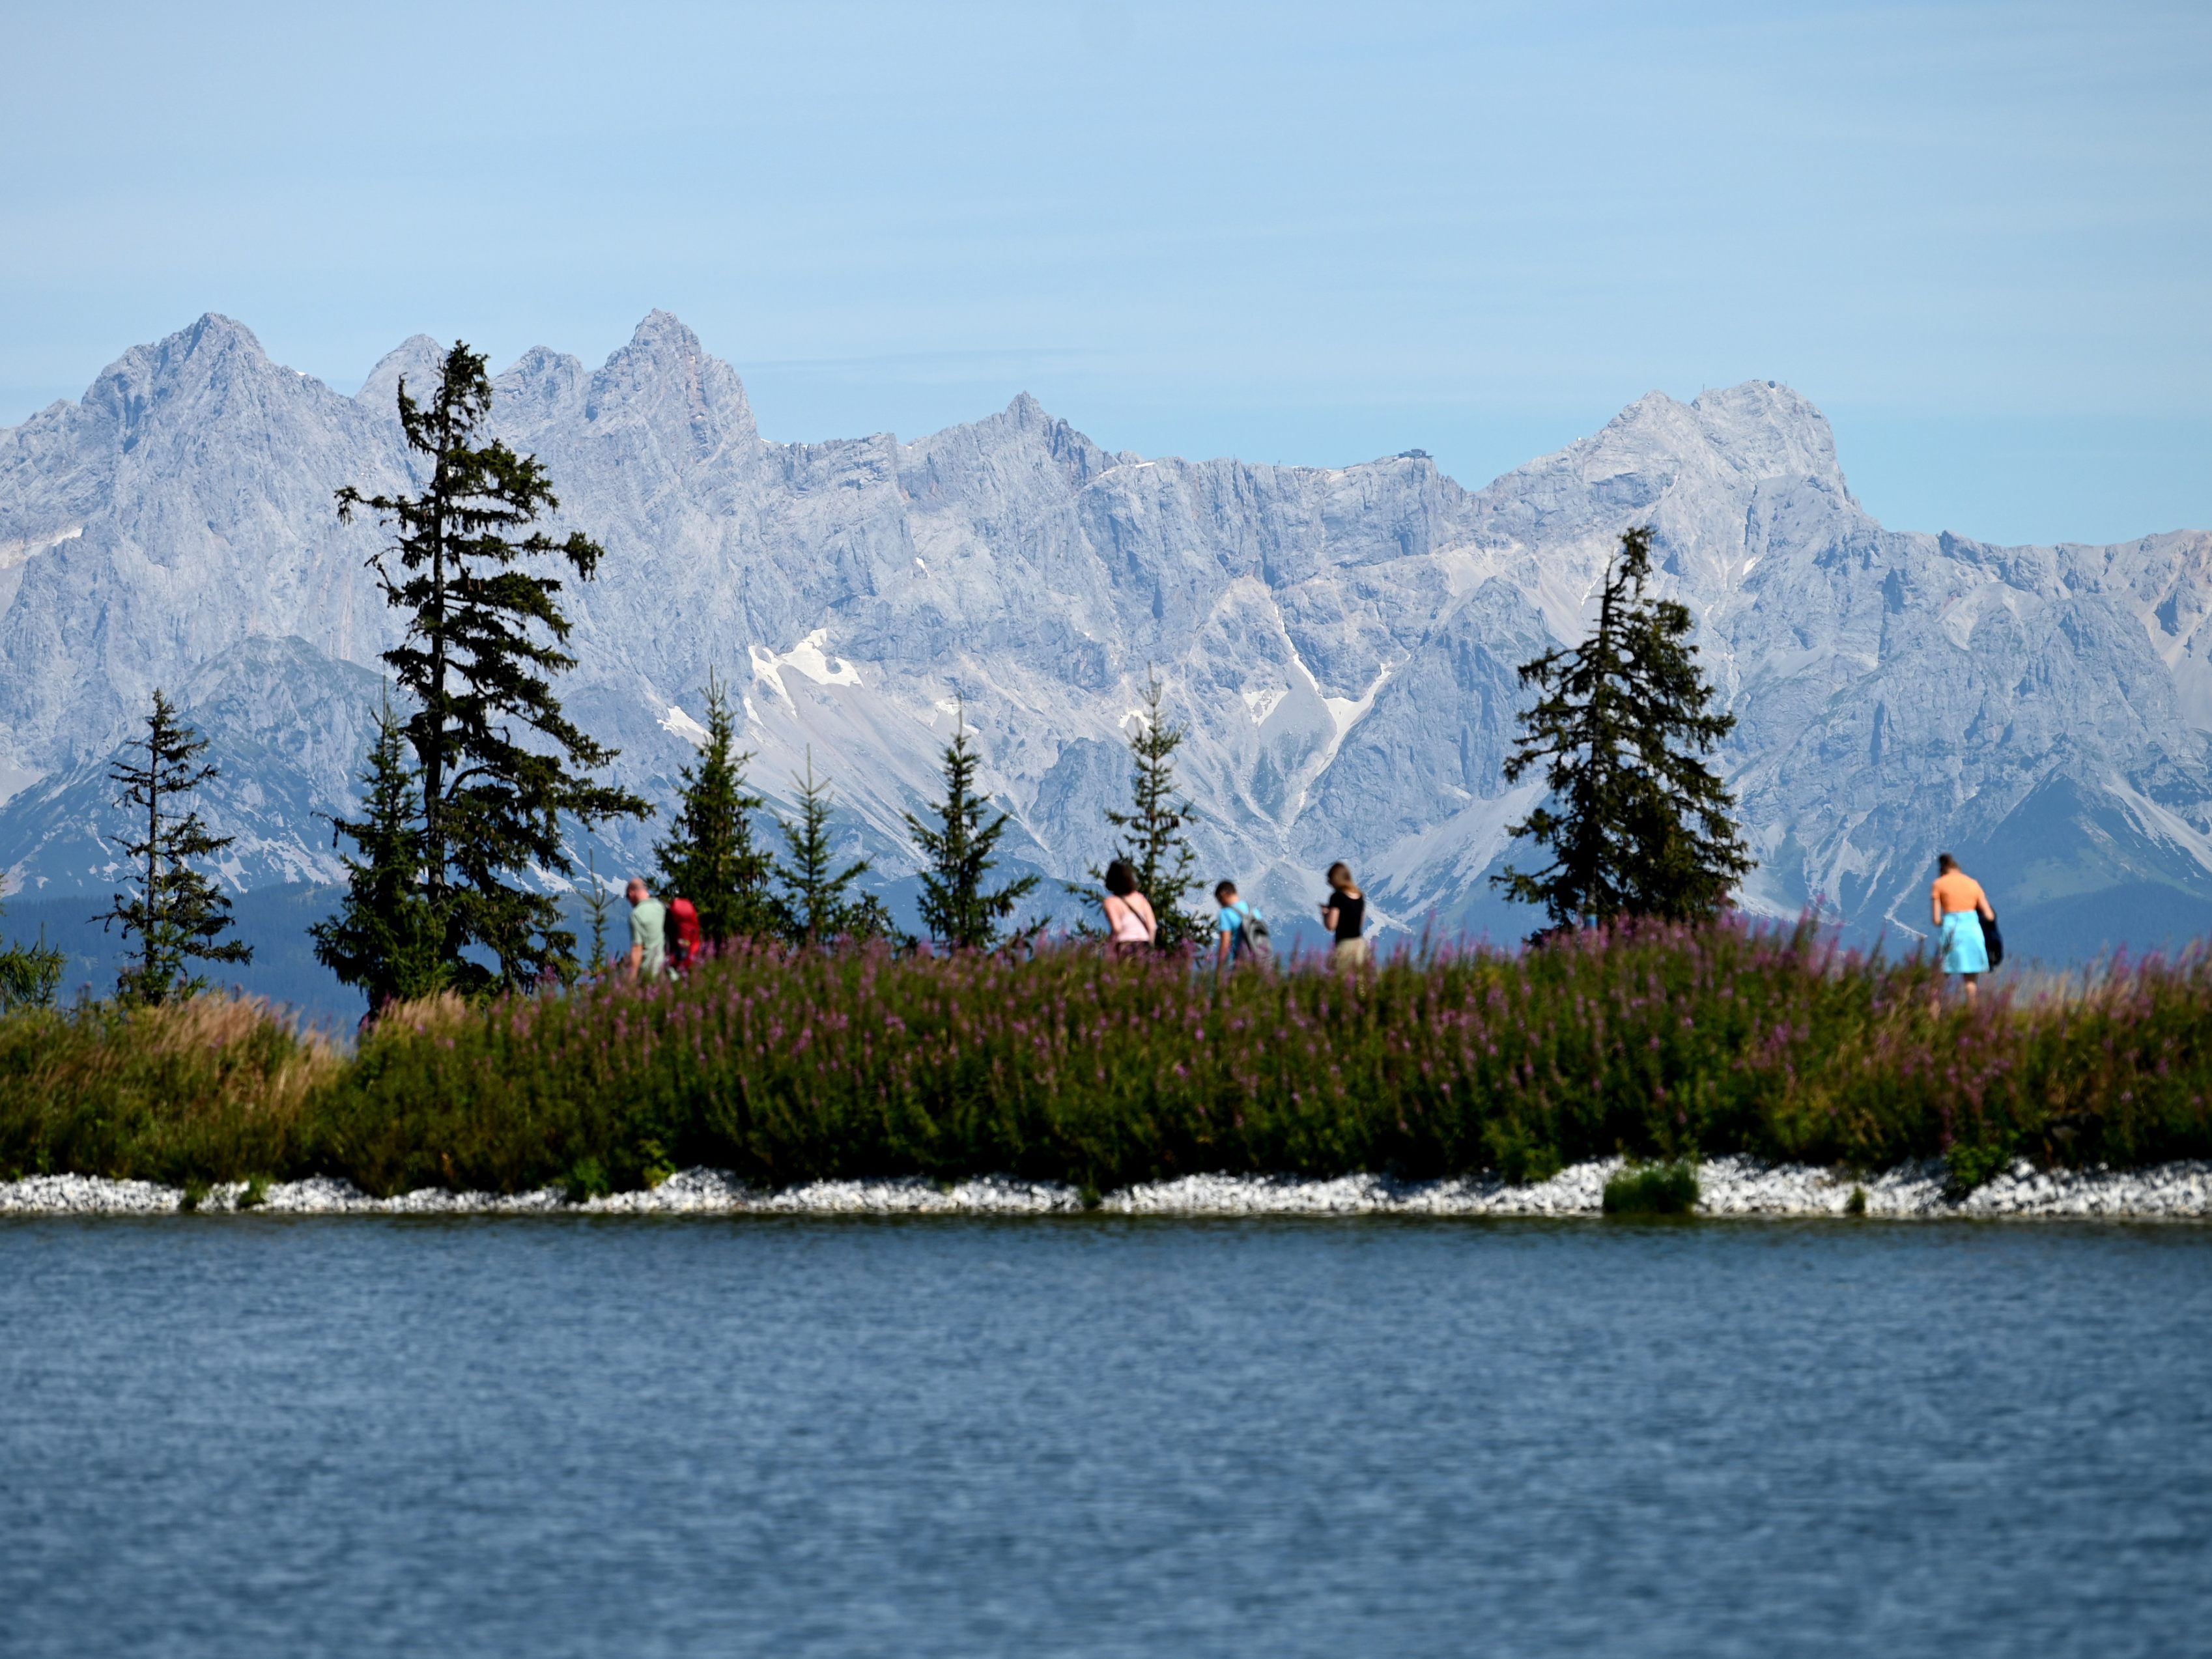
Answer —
1727 1186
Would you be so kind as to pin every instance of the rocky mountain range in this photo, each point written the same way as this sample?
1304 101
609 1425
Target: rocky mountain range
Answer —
1340 642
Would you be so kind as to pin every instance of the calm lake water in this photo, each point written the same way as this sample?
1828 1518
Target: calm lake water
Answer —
259 1437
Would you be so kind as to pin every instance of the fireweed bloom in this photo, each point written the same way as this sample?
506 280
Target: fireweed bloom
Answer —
1660 1040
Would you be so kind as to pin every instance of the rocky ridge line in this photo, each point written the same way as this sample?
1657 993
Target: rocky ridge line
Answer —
1341 641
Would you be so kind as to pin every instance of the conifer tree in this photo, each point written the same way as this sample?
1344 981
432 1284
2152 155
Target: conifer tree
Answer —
179 916
498 762
1636 824
596 906
709 856
1153 842
959 911
817 903
30 975
386 939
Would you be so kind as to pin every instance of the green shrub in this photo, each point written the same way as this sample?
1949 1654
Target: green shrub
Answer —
587 1178
1653 1189
1966 1167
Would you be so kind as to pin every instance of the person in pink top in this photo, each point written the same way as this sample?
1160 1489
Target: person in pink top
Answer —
1130 923
1957 905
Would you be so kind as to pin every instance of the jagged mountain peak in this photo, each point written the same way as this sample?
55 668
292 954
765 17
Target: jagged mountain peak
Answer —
662 344
658 327
541 362
1759 430
210 353
1770 430
1022 440
210 335
539 389
1023 415
691 403
1704 475
416 360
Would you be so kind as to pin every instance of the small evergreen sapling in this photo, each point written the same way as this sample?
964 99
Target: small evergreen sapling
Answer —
387 938
178 915
709 856
959 912
596 904
498 762
817 903
1636 821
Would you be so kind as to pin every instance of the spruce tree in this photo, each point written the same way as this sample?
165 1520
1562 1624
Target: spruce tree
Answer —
709 857
1636 824
1153 842
498 762
817 903
387 939
178 915
958 910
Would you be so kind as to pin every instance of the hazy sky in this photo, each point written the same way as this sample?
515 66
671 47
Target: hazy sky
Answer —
1978 235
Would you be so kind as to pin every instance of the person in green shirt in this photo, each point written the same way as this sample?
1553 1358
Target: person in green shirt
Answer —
648 932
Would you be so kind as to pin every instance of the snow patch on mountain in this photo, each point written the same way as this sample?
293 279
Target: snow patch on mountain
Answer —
684 726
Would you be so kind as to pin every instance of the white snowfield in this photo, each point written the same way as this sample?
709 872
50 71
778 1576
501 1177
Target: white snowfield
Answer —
1728 1187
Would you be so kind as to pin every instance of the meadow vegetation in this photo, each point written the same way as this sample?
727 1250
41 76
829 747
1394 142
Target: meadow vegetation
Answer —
1664 1042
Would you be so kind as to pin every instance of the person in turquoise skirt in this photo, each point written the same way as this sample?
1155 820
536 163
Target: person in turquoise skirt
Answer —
1957 905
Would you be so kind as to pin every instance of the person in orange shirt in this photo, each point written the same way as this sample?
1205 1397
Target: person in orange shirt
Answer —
1957 904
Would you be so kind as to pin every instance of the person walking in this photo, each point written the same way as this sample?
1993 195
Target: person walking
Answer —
1959 908
648 932
1130 923
1344 913
1239 931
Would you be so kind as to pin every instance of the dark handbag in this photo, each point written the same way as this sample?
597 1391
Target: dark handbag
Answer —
1993 939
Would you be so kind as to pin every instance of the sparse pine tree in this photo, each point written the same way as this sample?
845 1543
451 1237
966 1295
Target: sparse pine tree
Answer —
1153 842
178 915
959 911
387 938
709 856
596 906
817 903
1636 824
498 762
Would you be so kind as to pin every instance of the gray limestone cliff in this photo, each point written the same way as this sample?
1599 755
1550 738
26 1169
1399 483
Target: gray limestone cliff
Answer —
1342 642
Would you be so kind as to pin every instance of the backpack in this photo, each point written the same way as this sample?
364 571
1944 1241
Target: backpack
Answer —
1258 943
682 937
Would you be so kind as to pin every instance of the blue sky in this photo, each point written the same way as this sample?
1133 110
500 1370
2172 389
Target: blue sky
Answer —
1978 235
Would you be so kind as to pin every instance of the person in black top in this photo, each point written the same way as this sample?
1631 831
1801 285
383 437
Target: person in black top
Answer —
1344 913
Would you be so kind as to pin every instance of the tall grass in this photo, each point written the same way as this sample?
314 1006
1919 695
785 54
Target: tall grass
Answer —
1659 1042
201 1090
